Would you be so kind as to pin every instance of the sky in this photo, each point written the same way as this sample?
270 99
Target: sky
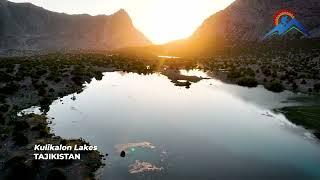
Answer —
160 20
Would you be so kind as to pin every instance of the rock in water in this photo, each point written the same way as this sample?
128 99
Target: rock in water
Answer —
123 154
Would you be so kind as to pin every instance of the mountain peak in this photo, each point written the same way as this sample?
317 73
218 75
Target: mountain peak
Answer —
122 18
63 31
121 12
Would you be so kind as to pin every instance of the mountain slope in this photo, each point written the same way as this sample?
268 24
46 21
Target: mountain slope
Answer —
26 26
242 25
250 20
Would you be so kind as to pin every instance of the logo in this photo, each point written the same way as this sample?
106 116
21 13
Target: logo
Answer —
285 21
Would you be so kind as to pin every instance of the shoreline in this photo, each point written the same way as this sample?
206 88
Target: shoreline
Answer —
39 80
305 116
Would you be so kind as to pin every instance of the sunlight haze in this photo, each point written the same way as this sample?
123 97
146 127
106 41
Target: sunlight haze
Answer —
160 20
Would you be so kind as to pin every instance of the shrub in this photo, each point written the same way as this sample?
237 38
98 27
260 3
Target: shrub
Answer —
57 80
11 162
9 89
248 82
249 72
265 80
232 74
51 90
42 72
20 139
317 87
42 91
17 169
295 86
5 77
36 164
266 72
45 103
43 130
56 173
275 86
2 99
98 75
4 108
77 80
2 120
21 125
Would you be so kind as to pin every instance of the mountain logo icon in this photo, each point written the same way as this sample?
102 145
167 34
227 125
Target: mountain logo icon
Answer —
285 21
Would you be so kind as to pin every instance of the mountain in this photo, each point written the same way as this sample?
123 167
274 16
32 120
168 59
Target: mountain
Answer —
243 26
250 20
24 26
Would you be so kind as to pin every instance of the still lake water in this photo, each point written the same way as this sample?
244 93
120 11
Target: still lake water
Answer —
211 131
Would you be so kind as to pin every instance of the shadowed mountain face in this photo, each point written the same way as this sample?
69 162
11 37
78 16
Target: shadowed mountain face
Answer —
244 24
250 20
24 26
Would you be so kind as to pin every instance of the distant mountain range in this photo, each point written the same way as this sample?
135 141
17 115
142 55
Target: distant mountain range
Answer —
24 26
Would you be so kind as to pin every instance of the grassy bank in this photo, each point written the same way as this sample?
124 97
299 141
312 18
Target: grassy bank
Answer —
307 116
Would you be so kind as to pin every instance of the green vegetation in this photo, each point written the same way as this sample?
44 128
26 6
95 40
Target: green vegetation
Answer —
18 169
44 130
56 173
275 86
21 125
20 139
307 116
233 74
247 81
33 129
317 87
9 88
4 108
39 80
294 69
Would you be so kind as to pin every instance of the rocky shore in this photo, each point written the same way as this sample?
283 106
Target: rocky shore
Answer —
17 153
297 71
38 81
41 79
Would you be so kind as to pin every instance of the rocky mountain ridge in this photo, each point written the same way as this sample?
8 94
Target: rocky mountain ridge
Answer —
250 20
24 26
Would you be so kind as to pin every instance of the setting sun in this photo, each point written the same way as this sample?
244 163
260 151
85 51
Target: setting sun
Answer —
160 89
160 20
168 20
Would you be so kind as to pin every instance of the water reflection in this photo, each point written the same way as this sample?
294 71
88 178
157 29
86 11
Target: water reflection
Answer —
169 57
211 131
184 78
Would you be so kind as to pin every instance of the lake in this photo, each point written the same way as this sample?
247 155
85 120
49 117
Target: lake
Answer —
212 130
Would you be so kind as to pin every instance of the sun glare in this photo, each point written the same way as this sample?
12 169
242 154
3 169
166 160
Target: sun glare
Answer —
168 20
160 20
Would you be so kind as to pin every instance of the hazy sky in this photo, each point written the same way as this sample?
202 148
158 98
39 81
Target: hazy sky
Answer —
159 20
